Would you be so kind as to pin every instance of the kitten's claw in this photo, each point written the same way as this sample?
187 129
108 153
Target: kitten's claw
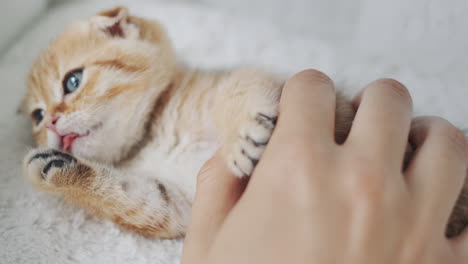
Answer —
247 150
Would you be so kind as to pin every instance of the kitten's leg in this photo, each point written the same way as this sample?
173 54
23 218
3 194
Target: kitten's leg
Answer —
245 111
153 208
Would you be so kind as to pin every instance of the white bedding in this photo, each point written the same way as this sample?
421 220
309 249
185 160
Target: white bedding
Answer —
420 43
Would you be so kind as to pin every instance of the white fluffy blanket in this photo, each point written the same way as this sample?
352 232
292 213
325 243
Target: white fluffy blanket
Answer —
418 42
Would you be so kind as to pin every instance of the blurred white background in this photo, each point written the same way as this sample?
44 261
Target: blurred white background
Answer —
435 28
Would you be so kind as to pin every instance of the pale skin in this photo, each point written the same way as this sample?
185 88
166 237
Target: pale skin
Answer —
311 200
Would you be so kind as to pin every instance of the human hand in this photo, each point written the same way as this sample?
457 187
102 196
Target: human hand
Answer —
310 200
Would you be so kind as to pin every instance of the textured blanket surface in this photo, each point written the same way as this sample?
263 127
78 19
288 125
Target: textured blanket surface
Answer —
421 45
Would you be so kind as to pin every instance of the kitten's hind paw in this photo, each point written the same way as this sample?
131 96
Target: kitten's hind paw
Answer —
249 147
52 168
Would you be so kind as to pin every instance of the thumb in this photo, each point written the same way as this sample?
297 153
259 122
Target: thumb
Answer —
217 193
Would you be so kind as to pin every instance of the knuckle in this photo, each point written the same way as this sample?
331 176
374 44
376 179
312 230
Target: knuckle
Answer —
444 128
310 76
452 138
421 120
436 121
456 140
393 88
420 124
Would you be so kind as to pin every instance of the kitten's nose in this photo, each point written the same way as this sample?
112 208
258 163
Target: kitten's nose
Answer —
51 124
54 120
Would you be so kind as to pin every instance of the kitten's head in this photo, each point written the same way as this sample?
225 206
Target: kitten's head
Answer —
93 90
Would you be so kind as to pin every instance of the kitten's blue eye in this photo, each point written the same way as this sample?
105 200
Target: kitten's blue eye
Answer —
38 115
72 81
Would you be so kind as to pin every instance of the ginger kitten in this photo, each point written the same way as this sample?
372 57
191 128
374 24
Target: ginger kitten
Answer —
123 128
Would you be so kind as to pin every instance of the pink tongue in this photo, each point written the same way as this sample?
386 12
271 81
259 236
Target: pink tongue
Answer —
67 140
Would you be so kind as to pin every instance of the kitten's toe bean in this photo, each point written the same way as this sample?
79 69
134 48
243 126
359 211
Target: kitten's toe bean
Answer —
247 150
52 164
42 164
47 154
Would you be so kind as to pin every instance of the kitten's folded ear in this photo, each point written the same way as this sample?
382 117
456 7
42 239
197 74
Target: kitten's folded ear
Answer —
114 23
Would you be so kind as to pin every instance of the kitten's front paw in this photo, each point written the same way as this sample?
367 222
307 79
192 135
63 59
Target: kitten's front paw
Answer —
50 167
246 151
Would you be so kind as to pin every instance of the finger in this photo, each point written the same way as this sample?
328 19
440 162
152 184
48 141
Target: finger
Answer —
217 192
307 108
437 172
381 126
